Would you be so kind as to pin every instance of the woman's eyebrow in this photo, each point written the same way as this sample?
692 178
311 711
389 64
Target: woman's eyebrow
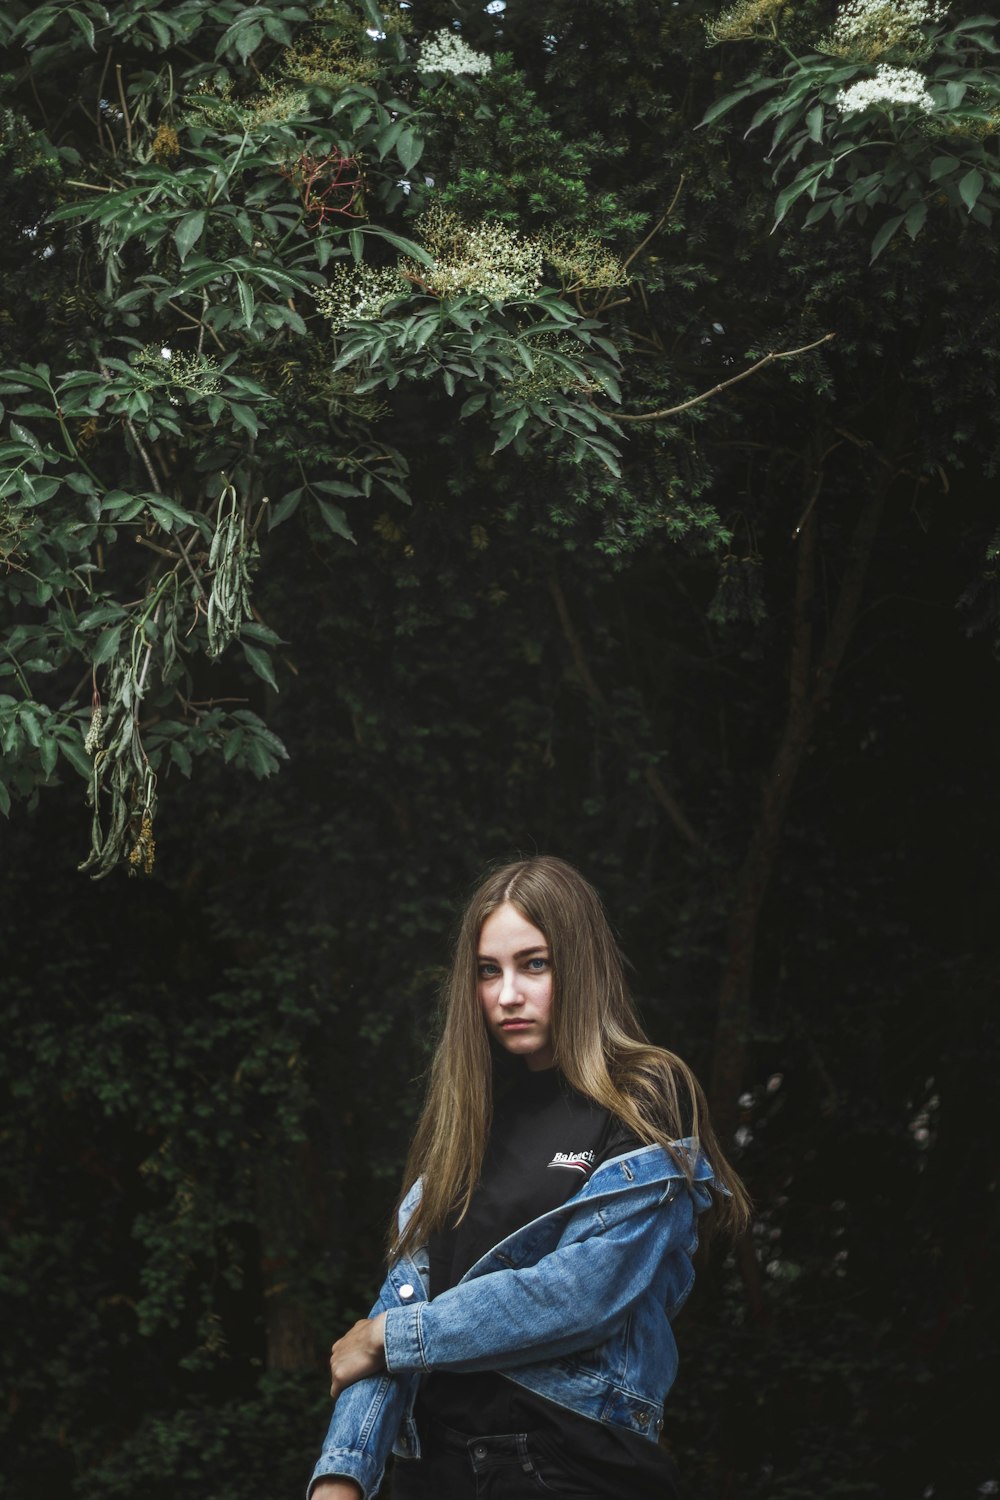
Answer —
486 958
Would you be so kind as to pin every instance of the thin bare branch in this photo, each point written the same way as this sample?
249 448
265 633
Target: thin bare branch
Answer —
197 323
125 114
101 127
769 359
651 775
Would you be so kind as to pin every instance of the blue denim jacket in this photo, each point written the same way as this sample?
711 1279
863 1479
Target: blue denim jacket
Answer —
575 1306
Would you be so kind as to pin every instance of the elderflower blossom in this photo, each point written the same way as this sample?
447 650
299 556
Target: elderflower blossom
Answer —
444 52
745 20
889 86
360 292
488 259
583 263
158 368
866 30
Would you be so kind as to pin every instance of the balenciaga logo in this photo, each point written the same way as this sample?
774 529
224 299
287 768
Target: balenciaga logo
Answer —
574 1161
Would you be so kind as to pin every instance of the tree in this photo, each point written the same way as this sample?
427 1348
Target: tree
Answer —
216 376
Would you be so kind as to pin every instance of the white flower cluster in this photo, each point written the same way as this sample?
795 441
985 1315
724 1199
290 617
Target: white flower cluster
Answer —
889 86
488 259
158 367
445 52
745 20
583 263
360 292
869 29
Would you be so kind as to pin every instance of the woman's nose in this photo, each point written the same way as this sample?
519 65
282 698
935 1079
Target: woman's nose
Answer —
508 988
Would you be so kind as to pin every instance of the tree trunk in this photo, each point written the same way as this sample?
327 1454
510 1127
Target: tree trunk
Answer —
810 686
281 1193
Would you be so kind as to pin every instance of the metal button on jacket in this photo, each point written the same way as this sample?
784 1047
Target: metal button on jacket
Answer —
479 1452
406 1290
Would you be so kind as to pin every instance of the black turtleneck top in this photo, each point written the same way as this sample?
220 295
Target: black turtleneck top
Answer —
545 1141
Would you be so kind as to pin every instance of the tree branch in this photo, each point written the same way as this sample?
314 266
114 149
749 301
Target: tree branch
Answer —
661 793
769 359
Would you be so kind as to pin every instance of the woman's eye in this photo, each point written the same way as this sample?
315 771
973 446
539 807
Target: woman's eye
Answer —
488 971
538 965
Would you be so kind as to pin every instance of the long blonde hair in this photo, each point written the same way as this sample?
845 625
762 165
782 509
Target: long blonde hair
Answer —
598 1042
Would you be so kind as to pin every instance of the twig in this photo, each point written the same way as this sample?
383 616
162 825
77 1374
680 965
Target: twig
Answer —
198 324
141 684
202 325
769 359
127 117
657 226
652 776
38 101
604 305
158 489
100 123
817 487
144 541
197 703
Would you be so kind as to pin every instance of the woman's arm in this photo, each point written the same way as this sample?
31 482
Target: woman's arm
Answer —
570 1299
336 1489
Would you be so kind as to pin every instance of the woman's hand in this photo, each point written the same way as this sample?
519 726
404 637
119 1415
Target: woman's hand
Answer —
360 1353
336 1489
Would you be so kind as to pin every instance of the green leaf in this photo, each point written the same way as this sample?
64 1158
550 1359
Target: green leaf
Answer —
336 487
188 232
31 726
244 416
398 242
805 182
181 757
82 483
729 101
814 122
24 436
167 512
374 14
941 166
884 235
4 800
259 760
261 664
283 508
84 25
335 519
916 216
262 633
73 751
409 149
817 212
107 645
387 138
246 300
48 752
969 189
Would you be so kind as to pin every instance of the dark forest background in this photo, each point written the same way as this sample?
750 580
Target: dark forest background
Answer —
747 684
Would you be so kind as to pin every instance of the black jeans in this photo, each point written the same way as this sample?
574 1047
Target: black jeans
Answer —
500 1466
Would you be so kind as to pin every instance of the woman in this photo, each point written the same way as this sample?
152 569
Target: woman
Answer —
521 1344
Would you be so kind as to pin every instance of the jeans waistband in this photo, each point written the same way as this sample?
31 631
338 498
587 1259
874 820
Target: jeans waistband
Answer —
481 1449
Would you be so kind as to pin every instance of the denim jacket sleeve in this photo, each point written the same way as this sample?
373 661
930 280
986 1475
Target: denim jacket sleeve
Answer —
566 1300
363 1427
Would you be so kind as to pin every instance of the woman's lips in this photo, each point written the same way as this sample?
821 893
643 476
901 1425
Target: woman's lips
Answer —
515 1025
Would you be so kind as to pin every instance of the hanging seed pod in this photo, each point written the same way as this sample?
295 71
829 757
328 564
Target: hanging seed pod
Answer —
229 556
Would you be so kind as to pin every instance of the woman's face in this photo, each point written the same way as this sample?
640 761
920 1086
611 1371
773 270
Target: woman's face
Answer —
515 985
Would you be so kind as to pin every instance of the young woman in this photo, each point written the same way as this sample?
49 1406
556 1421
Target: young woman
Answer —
521 1343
